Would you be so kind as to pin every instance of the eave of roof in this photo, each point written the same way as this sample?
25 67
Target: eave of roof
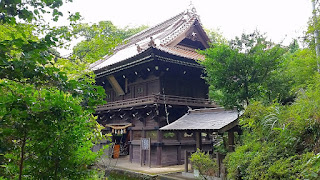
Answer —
216 119
146 56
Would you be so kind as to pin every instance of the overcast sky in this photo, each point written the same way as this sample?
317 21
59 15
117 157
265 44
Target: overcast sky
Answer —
280 19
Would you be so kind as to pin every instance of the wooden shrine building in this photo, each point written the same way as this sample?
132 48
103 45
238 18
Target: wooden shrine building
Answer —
151 81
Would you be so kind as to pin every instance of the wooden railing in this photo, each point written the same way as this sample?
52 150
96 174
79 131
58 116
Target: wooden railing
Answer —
158 99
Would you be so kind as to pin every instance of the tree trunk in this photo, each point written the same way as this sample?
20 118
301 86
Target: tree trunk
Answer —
22 156
56 164
247 92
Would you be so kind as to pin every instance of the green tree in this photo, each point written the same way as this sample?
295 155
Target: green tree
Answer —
100 39
238 72
281 141
46 103
216 37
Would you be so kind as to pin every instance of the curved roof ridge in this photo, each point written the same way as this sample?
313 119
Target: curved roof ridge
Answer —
170 37
157 25
150 31
163 34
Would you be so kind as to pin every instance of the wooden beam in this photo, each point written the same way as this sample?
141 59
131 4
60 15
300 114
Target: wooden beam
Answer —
115 85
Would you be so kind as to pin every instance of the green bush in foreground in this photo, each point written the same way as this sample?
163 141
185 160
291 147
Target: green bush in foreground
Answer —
204 163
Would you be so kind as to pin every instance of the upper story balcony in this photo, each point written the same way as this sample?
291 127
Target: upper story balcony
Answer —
157 99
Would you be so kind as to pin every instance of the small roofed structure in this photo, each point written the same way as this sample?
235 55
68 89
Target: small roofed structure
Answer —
207 120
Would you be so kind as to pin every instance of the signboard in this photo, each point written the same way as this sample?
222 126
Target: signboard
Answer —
145 143
145 146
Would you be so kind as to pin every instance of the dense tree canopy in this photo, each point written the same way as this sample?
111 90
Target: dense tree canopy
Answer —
46 103
280 125
240 71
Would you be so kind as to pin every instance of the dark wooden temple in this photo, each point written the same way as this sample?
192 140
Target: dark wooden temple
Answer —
151 81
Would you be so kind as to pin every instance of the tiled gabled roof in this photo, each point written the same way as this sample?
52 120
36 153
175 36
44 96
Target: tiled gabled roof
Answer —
161 35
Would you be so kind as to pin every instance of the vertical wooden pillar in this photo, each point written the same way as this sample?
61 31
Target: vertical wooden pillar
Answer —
143 153
231 141
179 148
219 164
131 146
198 140
159 148
186 161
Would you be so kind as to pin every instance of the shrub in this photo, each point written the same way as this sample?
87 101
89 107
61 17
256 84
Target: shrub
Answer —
204 163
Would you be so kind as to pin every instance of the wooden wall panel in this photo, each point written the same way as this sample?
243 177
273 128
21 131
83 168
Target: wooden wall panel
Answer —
137 123
151 123
169 155
153 87
139 88
153 156
136 154
185 86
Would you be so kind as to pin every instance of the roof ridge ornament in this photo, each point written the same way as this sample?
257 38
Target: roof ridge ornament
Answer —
139 49
191 9
151 43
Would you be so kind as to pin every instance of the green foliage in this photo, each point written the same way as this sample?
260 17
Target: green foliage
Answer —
280 142
221 147
46 103
52 126
301 66
204 163
240 71
281 124
100 39
169 135
216 37
29 10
